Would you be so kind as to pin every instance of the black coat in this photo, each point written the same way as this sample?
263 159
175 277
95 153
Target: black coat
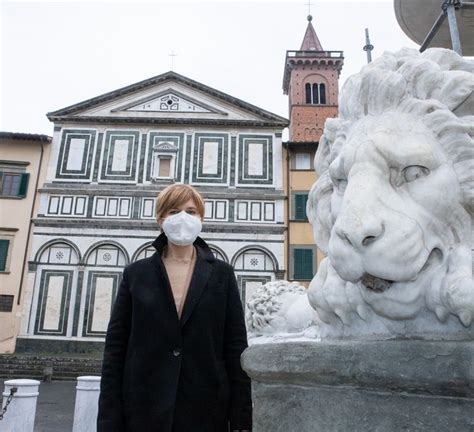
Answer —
165 374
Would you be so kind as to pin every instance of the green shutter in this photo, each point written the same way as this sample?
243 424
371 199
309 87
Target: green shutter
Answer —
23 185
300 206
303 264
3 253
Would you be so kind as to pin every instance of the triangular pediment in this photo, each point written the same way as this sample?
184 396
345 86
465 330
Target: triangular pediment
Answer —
169 101
168 98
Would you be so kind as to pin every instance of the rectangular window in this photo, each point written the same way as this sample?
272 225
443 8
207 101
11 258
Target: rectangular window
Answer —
164 167
303 264
13 184
302 161
6 303
4 246
300 200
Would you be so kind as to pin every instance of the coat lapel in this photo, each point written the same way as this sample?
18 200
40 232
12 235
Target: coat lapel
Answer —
165 289
202 271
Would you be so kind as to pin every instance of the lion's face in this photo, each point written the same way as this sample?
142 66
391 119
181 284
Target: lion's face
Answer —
394 197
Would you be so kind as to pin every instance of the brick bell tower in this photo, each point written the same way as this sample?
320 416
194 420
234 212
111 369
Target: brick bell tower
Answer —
311 80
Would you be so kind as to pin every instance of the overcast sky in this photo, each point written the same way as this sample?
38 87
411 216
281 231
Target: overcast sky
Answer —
54 54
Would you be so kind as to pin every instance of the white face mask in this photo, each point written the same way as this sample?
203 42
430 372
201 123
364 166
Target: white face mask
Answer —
182 228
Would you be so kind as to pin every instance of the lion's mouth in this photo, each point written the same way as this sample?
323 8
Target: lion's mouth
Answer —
380 285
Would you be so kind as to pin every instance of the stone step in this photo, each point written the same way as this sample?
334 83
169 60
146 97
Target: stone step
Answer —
64 368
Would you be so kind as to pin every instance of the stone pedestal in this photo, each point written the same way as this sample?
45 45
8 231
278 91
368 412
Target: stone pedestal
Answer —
353 386
86 408
20 415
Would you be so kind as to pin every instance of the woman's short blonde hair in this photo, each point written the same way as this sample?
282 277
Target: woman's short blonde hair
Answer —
175 195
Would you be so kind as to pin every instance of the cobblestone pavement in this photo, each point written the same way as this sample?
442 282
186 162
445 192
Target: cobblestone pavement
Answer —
55 408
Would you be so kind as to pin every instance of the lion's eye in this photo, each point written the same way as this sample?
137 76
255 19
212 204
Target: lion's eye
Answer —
414 172
341 185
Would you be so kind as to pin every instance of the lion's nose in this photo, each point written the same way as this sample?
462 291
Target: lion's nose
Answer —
360 236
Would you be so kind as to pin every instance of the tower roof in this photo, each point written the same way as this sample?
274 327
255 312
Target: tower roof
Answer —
311 53
310 40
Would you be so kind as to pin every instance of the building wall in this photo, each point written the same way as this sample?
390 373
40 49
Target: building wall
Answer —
299 231
96 215
322 72
15 214
308 121
306 127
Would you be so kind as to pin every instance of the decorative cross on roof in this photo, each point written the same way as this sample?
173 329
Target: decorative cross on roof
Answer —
172 54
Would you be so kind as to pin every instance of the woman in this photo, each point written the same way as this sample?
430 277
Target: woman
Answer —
173 344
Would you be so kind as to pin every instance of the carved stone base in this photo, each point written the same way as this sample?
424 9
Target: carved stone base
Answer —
378 386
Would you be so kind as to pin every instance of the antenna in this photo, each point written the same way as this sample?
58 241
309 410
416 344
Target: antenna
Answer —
368 47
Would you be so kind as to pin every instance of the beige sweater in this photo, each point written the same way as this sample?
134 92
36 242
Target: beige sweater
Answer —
179 273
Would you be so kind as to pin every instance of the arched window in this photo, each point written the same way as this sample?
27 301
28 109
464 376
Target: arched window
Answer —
218 253
322 94
107 255
145 251
59 253
103 272
57 266
309 93
315 94
315 100
254 260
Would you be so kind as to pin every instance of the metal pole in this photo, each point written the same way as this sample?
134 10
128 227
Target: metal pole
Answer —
432 33
368 46
453 27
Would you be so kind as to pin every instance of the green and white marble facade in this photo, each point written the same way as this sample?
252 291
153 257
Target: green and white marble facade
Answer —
96 208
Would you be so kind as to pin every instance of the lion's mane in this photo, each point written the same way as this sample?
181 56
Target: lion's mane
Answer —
437 88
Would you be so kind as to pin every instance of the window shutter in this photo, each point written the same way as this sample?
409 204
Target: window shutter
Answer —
300 206
307 263
3 253
297 259
23 185
303 264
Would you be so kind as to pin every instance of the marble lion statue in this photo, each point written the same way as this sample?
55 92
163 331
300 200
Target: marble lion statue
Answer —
393 206
279 307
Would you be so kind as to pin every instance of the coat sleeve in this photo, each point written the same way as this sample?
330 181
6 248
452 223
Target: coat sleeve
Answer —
110 416
235 342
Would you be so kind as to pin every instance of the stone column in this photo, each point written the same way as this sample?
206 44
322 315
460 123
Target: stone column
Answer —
87 398
20 415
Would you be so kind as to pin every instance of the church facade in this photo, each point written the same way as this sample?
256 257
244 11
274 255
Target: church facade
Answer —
110 156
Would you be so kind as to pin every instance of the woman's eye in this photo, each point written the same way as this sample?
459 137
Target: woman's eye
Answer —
414 172
191 212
